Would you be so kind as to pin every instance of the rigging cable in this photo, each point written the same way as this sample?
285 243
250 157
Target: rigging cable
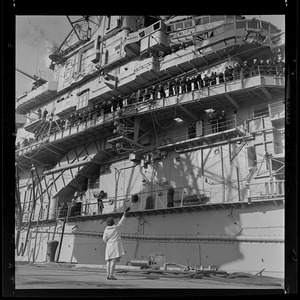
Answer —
156 135
165 127
22 249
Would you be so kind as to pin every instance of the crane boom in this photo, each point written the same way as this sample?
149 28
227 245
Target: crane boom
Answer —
26 74
38 81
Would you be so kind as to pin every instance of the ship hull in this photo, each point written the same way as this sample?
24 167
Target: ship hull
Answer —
249 238
182 121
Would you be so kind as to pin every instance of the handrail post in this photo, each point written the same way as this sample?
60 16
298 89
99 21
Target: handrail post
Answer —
269 110
181 203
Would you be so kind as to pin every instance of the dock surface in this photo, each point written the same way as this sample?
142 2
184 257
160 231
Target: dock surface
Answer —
61 276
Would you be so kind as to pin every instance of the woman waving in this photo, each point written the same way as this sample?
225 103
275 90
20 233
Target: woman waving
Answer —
114 246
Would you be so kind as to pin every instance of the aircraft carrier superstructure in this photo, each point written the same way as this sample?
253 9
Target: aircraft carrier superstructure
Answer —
180 118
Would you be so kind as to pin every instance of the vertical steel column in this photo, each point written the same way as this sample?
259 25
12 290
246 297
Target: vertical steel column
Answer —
61 238
49 198
41 190
223 179
33 191
17 196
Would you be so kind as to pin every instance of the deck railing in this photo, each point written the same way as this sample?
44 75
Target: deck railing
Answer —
277 110
272 110
230 122
88 206
265 190
183 197
140 107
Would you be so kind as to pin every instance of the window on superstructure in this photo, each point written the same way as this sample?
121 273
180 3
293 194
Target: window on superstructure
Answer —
148 30
205 20
251 155
229 26
86 59
188 24
170 28
253 24
163 26
179 26
273 29
117 70
261 111
156 26
241 24
68 69
214 18
229 18
265 25
106 57
198 21
219 30
117 48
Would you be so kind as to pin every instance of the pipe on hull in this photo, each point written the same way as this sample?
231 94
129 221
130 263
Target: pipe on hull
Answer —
191 238
220 238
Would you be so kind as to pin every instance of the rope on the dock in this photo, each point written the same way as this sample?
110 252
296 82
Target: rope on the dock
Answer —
238 277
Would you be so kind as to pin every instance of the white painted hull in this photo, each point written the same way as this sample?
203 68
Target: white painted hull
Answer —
249 239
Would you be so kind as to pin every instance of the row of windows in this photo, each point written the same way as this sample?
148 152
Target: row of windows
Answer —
152 28
197 21
256 24
182 25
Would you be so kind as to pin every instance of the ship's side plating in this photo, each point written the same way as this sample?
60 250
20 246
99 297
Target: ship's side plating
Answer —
228 179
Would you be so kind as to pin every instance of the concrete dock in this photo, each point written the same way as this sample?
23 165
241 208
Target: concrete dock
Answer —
57 277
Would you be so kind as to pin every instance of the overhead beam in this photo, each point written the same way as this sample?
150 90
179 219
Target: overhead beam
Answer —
56 153
141 75
192 64
63 151
188 113
131 142
68 166
265 91
204 59
152 71
216 100
180 68
219 57
250 94
137 123
84 174
232 101
39 162
202 104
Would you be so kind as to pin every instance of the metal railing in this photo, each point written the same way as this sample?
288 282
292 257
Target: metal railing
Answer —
272 110
277 110
134 108
157 199
88 206
265 190
216 126
33 93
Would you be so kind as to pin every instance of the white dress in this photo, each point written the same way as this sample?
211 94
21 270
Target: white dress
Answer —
112 238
